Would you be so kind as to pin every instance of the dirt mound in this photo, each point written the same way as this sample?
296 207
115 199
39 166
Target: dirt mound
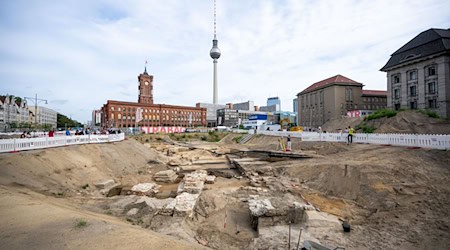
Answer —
44 195
394 197
410 122
405 122
68 169
335 125
230 138
384 191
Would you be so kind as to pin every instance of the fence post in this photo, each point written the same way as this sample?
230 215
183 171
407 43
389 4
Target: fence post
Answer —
14 149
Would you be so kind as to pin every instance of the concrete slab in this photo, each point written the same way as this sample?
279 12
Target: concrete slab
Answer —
315 219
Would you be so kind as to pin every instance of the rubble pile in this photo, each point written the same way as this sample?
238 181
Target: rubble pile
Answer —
278 210
193 182
154 203
148 189
167 176
184 204
260 207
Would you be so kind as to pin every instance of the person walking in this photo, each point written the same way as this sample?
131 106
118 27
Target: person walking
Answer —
350 134
289 143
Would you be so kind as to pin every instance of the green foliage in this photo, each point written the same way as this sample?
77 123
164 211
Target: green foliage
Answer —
24 125
63 121
46 127
59 194
241 126
381 113
80 223
13 125
18 99
213 136
237 139
429 113
367 129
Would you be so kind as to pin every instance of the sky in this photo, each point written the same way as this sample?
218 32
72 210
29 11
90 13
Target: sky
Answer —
79 54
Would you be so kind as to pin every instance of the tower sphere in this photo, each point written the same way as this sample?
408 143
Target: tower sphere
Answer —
215 51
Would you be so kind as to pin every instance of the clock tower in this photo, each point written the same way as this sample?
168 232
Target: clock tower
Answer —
145 88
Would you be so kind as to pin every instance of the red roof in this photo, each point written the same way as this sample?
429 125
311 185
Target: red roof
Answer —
330 81
374 92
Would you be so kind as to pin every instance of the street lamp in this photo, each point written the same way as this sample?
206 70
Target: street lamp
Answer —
36 101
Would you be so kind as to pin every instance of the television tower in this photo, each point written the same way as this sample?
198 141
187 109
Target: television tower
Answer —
215 54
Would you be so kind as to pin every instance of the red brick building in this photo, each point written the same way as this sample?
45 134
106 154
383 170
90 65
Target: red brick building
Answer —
119 114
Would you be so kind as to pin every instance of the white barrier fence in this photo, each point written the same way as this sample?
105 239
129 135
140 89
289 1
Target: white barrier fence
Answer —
20 144
407 140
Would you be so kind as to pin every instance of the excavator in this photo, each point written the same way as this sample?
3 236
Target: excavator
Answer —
285 124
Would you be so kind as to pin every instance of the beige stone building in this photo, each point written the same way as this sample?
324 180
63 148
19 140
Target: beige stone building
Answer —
335 97
418 74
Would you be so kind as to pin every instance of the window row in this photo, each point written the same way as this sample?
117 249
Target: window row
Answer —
411 75
157 111
412 90
312 98
374 99
374 107
430 104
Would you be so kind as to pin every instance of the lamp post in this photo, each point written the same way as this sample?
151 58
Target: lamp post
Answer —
35 100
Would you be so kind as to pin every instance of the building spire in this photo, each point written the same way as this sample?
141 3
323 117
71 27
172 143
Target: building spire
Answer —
145 68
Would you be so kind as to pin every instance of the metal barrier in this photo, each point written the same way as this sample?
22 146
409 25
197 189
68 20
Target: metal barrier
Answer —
406 140
20 144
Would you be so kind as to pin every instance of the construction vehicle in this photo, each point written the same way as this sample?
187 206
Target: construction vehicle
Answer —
296 129
284 123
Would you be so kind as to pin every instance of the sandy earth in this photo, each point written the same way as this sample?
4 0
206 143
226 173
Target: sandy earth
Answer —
34 221
397 198
394 197
405 122
40 193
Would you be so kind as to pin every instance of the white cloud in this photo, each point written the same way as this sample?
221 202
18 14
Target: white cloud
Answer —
86 52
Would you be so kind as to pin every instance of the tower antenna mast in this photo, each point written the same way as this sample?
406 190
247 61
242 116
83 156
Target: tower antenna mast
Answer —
215 54
215 37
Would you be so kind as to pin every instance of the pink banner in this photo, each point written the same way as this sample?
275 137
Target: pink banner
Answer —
354 113
153 130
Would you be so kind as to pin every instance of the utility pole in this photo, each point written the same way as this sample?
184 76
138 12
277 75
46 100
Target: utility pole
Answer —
36 100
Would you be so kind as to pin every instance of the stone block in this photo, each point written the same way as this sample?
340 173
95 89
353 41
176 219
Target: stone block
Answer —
210 179
185 203
105 184
322 220
148 189
133 211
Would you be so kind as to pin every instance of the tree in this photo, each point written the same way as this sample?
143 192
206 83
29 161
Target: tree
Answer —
13 125
63 121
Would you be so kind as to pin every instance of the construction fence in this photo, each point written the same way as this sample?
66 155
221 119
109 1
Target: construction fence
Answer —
21 144
407 140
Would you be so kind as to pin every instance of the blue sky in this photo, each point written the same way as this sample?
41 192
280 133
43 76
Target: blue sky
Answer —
78 54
